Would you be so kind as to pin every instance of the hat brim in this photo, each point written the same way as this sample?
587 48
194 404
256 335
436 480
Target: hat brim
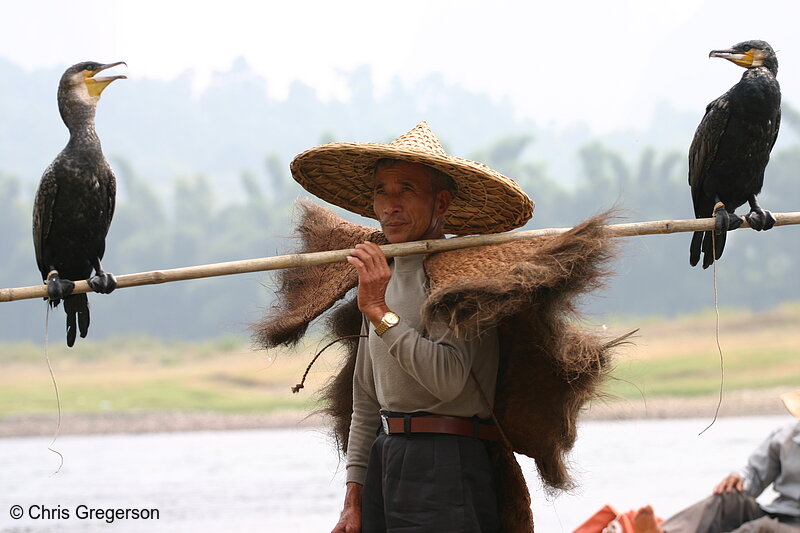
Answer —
342 174
791 400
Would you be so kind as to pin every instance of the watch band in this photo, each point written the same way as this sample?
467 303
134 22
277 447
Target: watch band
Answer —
388 320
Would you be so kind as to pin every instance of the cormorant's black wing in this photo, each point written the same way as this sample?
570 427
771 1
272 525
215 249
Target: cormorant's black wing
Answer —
702 154
777 127
108 213
704 149
112 195
43 216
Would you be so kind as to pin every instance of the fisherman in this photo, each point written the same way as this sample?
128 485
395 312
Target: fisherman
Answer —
426 470
414 406
732 507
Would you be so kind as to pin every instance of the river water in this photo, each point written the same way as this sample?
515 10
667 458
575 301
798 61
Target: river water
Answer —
292 480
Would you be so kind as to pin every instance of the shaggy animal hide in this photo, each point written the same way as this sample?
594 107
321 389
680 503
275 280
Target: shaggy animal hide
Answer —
549 365
305 293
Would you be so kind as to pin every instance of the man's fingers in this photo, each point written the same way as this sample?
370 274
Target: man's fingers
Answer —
355 261
365 270
362 254
371 259
372 251
371 246
373 277
364 258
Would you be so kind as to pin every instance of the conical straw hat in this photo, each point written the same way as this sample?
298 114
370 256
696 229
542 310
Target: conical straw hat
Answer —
792 402
342 174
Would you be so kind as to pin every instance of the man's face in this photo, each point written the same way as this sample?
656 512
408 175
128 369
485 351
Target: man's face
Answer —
405 204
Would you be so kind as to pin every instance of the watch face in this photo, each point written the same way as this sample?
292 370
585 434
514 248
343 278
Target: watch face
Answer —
391 319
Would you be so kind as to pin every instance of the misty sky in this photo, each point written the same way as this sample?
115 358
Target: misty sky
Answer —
606 63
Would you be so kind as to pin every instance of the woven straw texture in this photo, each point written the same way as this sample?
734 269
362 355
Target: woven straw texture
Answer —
550 365
342 174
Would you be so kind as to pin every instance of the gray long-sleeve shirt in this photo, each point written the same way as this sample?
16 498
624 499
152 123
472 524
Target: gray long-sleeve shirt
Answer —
776 461
406 371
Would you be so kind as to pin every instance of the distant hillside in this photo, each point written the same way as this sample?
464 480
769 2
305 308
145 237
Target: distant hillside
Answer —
166 131
233 125
204 178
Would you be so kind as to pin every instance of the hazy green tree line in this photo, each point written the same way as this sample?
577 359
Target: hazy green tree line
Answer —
191 225
184 199
167 129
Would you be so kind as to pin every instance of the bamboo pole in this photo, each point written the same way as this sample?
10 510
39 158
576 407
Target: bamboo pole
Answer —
634 229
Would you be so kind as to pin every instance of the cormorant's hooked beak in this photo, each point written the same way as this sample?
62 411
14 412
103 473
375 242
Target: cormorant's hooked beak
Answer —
743 59
95 84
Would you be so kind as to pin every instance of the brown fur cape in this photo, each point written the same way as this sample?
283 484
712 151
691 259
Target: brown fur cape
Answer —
549 366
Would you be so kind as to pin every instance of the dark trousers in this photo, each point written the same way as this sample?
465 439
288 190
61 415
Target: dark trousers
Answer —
429 483
727 512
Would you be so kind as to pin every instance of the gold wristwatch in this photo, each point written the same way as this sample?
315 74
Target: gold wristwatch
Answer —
388 320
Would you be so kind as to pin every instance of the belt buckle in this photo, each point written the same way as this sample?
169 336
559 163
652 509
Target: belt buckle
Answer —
385 423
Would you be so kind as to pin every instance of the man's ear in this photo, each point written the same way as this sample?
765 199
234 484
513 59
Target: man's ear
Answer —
443 200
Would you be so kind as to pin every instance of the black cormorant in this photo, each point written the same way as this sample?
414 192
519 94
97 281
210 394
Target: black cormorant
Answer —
75 201
731 148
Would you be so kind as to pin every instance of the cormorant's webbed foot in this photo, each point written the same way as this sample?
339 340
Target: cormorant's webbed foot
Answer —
103 282
760 219
725 221
57 288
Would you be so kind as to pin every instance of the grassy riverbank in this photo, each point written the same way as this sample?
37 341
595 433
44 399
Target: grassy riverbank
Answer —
141 374
680 357
671 363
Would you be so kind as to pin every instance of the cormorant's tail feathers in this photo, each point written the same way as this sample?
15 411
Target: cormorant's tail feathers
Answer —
713 245
695 247
718 243
709 244
77 308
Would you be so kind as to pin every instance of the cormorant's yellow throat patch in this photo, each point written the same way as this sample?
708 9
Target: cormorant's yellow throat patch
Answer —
94 85
743 60
751 58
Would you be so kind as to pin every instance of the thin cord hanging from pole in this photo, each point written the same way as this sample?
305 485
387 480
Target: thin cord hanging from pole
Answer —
301 385
55 387
719 346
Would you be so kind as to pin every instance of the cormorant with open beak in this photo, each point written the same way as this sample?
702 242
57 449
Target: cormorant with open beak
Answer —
75 201
731 148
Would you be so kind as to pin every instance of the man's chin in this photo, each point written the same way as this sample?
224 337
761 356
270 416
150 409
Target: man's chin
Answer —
396 239
396 235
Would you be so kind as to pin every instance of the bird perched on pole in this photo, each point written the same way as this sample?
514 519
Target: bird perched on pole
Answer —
75 201
731 148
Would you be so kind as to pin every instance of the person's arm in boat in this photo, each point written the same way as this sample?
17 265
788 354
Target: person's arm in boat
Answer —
730 483
763 466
